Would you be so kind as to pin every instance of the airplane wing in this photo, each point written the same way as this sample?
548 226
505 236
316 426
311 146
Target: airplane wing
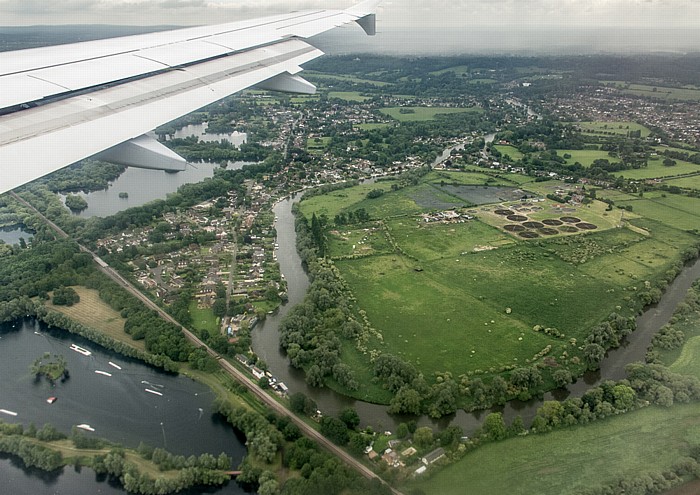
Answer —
60 104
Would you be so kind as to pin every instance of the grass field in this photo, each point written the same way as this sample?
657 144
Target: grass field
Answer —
93 312
658 92
692 182
204 319
349 96
511 151
318 144
419 114
615 127
680 212
463 297
584 157
656 168
570 460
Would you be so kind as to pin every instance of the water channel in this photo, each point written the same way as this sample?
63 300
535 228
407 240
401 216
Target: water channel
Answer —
116 405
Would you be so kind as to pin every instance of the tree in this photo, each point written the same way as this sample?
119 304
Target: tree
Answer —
593 355
562 377
423 437
406 401
494 427
335 430
350 417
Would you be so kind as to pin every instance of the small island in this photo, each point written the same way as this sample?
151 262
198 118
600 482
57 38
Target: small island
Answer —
52 367
75 202
123 195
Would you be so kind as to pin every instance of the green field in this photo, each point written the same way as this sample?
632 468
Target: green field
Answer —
204 319
680 212
658 92
318 144
570 460
418 114
511 151
349 96
614 127
656 169
464 296
457 70
585 157
692 182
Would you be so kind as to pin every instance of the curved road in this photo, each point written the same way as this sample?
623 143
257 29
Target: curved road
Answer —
237 374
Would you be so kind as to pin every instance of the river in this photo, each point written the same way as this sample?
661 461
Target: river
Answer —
118 407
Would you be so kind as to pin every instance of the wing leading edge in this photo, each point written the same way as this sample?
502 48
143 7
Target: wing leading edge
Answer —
63 103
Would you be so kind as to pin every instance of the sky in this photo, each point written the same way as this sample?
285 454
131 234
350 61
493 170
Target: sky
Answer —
419 27
392 13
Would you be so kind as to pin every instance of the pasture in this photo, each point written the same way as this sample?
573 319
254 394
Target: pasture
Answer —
463 296
422 114
680 212
656 169
690 182
349 96
511 151
647 440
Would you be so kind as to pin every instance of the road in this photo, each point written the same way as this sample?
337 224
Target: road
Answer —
237 374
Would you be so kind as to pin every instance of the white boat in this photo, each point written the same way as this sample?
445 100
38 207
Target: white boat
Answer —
152 391
9 413
79 349
85 427
100 372
115 365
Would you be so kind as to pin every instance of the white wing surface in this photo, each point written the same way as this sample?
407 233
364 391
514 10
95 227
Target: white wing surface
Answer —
63 103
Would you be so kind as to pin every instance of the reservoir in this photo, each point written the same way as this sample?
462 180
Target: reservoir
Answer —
118 407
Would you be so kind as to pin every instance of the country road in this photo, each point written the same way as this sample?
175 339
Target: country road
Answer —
234 372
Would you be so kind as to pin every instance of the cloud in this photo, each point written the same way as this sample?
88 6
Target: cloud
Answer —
427 13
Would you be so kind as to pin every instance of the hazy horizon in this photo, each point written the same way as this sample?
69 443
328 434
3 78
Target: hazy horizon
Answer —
475 40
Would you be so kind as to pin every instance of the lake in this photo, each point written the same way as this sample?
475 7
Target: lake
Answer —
118 407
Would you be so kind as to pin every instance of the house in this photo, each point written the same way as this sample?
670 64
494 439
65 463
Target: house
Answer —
420 470
433 456
257 372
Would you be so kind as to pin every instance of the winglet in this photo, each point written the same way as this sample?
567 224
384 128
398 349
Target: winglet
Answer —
366 16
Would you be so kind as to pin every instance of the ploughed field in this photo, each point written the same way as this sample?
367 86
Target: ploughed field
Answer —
461 289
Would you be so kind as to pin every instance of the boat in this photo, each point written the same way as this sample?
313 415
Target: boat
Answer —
9 413
115 365
100 372
80 350
51 400
152 391
85 427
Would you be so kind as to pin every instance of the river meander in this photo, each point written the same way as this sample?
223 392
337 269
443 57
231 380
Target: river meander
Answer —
118 407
